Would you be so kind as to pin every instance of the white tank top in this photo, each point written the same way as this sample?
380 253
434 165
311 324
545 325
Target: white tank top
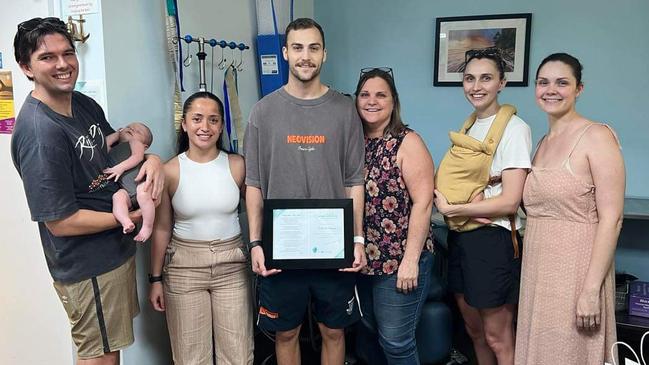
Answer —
206 200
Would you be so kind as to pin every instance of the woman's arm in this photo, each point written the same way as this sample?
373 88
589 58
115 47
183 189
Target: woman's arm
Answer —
238 171
417 169
357 194
607 170
507 203
515 148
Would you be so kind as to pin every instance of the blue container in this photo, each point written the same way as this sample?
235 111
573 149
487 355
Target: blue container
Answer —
273 69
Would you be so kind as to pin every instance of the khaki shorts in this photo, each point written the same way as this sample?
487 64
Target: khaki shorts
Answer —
101 310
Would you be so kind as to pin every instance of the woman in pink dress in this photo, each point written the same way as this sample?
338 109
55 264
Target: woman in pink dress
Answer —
574 198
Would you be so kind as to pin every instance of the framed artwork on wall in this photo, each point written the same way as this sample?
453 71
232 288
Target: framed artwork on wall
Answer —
508 34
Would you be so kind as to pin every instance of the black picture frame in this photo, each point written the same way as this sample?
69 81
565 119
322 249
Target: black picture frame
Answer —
456 35
270 205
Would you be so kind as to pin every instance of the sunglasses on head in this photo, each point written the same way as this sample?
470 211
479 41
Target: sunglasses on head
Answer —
482 52
387 70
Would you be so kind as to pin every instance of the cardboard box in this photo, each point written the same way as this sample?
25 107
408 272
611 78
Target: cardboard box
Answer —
639 298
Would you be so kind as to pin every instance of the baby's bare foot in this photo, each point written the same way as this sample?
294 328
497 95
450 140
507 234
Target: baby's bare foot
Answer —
128 228
143 234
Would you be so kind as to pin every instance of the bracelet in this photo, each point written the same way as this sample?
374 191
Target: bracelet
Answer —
153 279
253 244
359 239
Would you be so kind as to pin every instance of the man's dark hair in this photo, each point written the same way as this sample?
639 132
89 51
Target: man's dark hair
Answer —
30 35
303 23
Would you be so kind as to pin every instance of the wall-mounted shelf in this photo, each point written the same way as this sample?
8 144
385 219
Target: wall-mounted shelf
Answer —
636 208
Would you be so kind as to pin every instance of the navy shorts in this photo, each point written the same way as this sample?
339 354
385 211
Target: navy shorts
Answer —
283 299
482 266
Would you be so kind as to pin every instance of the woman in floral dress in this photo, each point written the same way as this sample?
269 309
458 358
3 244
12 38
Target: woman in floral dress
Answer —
398 204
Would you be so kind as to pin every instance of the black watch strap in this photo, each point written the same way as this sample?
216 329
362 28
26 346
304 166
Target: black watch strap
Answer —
153 279
254 243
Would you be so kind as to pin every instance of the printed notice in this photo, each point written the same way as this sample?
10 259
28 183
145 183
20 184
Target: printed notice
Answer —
82 7
308 234
7 115
269 64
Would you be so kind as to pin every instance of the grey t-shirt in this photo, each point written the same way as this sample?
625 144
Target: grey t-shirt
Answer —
60 160
300 149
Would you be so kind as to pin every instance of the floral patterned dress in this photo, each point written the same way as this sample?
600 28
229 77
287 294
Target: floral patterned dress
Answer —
387 206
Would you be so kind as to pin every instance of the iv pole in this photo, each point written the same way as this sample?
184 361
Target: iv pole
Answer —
202 86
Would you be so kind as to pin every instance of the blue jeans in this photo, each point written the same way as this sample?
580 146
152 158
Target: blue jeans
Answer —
393 314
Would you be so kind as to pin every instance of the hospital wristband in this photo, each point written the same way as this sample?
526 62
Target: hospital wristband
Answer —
359 239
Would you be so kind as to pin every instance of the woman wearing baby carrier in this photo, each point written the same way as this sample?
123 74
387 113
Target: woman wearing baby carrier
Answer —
479 187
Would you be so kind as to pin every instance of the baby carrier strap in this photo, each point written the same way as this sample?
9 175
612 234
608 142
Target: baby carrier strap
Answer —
497 128
464 171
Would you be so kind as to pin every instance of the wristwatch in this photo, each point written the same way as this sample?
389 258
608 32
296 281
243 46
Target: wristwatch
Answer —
252 244
153 279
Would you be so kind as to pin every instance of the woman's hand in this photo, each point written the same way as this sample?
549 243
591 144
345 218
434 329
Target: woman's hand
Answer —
477 198
152 169
441 203
407 276
588 310
156 296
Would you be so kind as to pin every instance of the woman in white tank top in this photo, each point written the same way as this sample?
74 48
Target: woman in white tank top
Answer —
199 271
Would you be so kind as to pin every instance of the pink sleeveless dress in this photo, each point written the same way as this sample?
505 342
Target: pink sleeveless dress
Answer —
561 226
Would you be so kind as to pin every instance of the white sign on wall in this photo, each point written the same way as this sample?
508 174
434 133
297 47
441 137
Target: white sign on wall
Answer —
82 7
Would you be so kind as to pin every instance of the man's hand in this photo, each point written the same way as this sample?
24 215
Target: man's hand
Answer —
360 260
258 267
135 215
152 170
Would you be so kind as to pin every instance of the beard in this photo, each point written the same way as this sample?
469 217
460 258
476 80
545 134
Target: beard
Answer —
315 71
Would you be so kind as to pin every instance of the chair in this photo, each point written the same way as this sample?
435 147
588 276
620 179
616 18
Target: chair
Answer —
434 332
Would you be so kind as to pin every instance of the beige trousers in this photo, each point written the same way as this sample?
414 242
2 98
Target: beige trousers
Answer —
208 296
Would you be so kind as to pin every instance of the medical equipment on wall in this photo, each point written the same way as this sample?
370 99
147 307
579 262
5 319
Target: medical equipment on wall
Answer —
202 55
231 60
273 69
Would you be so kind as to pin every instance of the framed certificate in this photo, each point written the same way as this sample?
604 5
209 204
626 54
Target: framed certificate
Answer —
308 233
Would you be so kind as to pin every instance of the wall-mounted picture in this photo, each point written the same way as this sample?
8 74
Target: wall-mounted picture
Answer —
508 34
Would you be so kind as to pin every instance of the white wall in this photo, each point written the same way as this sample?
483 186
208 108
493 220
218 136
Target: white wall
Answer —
30 312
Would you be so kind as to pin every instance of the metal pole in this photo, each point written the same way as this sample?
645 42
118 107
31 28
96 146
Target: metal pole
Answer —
202 86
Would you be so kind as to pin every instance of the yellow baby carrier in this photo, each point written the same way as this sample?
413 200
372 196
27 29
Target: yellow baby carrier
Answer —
464 171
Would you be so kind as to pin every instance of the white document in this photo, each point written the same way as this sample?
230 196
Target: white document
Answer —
269 64
308 234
